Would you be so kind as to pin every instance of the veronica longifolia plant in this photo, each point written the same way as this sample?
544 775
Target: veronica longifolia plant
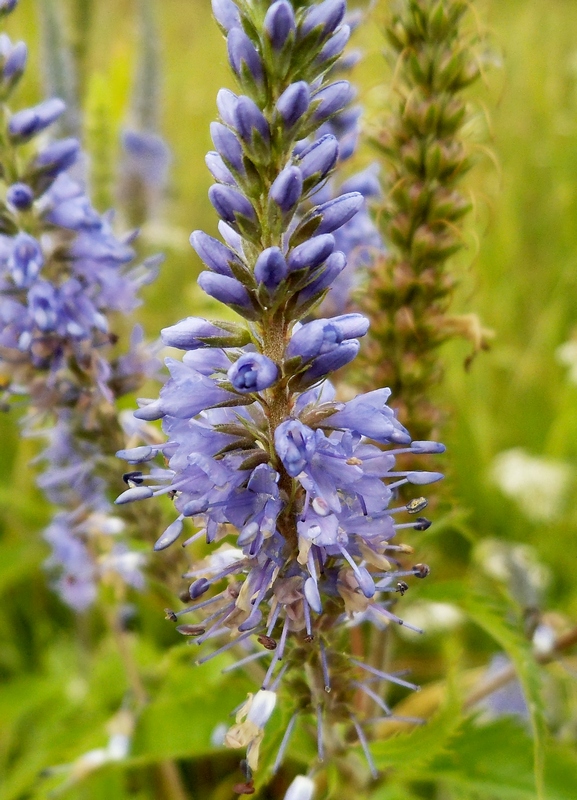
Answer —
63 276
278 474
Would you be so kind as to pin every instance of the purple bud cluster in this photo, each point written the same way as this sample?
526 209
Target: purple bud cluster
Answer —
294 486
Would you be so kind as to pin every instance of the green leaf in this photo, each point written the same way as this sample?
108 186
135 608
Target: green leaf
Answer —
413 750
495 762
492 617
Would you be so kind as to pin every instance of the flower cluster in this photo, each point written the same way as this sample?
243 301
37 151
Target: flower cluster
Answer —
64 275
293 486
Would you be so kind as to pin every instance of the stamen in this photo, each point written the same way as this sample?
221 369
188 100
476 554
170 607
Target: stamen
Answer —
325 668
373 695
196 607
386 613
385 676
223 649
219 617
194 538
320 741
273 620
276 683
283 636
243 661
284 744
365 746
307 616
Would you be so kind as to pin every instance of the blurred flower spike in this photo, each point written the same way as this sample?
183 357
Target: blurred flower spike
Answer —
66 278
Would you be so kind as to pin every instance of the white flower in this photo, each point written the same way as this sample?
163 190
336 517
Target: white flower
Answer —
301 788
566 354
250 721
537 484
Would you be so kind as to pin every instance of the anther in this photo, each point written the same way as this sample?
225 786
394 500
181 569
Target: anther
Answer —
422 524
402 587
417 504
135 478
421 570
245 769
170 615
191 630
268 642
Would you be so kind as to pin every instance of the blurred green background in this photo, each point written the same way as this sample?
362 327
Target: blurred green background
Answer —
61 678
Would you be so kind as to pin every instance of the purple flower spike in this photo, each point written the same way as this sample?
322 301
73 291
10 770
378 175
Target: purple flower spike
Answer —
27 123
295 445
213 253
228 203
332 99
338 211
311 253
279 23
226 290
243 56
228 146
226 14
319 158
25 261
248 119
270 268
294 102
287 188
253 372
326 16
21 196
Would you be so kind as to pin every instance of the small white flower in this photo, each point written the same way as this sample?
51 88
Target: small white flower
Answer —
539 485
250 721
301 788
566 354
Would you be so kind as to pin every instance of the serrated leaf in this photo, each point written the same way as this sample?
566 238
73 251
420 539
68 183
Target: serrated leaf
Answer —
408 751
495 761
493 619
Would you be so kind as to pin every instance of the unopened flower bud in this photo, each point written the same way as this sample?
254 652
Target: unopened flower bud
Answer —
230 204
279 23
270 268
253 372
243 55
332 99
311 253
293 103
287 188
325 16
27 123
